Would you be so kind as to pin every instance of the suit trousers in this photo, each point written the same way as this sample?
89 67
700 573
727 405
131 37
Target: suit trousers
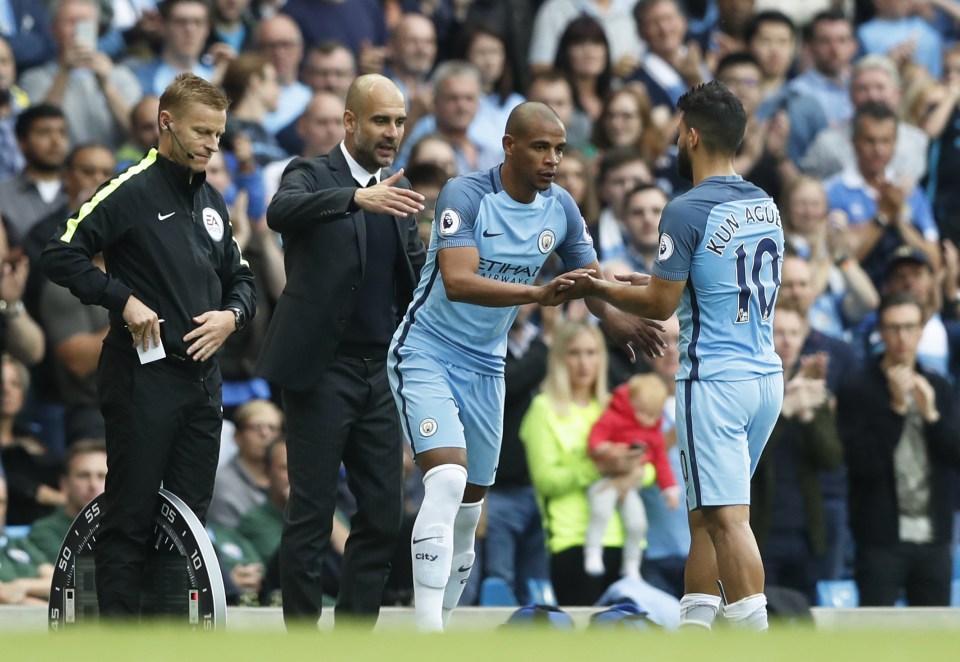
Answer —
348 416
162 424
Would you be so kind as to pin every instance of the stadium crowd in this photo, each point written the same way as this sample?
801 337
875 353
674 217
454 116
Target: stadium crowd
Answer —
853 128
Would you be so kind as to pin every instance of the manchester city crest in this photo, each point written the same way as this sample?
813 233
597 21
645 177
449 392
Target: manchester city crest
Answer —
428 427
546 241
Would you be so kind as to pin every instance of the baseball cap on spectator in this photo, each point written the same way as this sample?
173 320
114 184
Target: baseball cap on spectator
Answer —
907 254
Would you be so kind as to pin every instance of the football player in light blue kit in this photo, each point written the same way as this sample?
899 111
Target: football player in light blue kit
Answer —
721 246
492 232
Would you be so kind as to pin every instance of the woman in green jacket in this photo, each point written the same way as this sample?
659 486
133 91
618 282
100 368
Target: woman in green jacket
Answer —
554 433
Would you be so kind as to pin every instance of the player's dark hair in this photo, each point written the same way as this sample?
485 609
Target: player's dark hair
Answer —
717 115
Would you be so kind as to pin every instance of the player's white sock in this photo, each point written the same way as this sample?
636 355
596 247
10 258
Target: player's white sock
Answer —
432 542
749 613
464 538
698 610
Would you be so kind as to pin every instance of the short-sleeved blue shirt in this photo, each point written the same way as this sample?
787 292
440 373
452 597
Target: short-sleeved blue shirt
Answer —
513 239
724 236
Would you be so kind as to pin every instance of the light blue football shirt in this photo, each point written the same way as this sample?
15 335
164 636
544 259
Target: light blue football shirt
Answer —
513 239
725 237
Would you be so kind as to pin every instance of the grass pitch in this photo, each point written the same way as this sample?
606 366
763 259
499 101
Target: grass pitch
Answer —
150 644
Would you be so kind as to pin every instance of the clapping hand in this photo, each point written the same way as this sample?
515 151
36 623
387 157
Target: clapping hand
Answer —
890 199
802 397
688 62
926 398
778 135
13 282
814 366
839 239
907 384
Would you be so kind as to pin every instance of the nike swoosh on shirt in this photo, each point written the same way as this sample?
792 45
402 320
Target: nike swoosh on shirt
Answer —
419 540
163 217
491 234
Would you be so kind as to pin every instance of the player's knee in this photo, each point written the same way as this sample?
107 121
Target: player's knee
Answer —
725 520
446 482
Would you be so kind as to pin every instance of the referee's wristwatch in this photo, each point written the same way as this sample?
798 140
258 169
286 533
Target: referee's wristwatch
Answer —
239 318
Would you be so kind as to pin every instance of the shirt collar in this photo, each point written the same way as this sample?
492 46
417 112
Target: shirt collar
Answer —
852 178
843 84
360 174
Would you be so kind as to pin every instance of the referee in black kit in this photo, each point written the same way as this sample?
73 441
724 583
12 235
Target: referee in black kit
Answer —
170 257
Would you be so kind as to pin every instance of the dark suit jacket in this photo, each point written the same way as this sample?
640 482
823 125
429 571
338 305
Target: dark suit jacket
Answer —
324 239
870 432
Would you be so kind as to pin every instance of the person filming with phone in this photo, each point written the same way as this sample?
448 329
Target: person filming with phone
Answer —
83 81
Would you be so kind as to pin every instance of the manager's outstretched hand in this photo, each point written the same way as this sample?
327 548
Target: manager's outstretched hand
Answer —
385 198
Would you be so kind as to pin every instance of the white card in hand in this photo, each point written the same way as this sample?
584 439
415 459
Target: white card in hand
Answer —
155 353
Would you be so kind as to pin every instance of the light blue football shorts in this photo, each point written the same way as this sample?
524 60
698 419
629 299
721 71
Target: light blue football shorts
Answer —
444 406
722 428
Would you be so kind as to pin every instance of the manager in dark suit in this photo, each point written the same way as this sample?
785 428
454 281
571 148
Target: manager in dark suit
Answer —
352 257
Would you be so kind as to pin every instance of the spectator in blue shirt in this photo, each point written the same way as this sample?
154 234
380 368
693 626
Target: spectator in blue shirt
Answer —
12 101
25 25
897 32
186 29
884 210
831 46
